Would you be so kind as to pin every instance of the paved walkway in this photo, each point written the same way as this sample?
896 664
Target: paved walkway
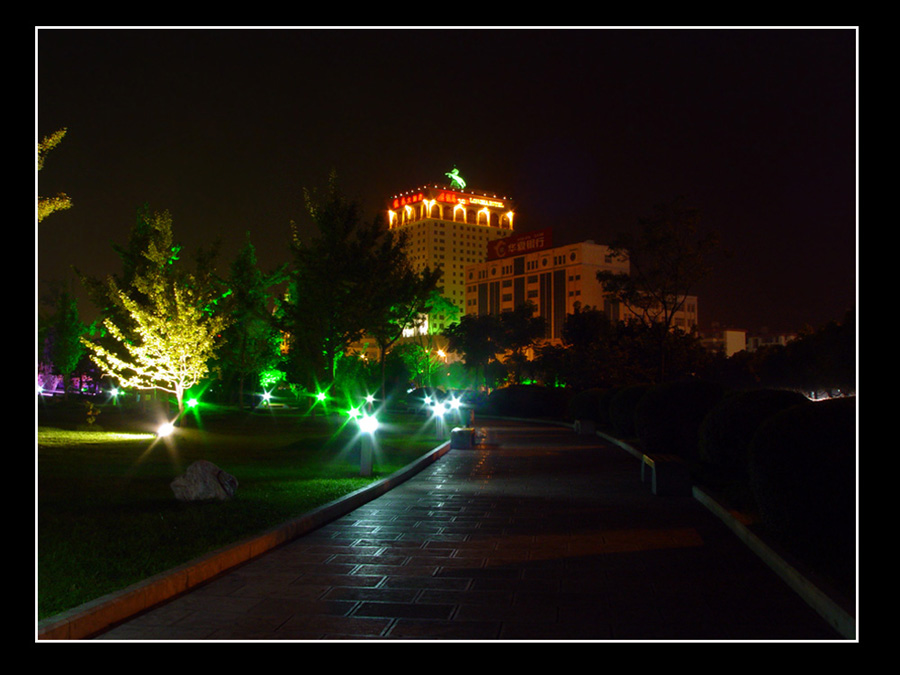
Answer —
541 535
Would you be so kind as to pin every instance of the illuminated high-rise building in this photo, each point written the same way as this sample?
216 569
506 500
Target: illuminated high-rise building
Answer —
448 228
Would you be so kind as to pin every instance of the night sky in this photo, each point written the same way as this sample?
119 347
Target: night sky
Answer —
586 129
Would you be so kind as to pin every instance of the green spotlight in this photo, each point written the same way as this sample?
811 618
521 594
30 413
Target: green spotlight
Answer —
192 403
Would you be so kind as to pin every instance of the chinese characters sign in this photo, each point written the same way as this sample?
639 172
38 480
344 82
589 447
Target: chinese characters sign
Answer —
527 242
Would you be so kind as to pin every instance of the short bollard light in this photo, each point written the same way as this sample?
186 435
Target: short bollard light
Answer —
456 409
439 409
165 429
368 425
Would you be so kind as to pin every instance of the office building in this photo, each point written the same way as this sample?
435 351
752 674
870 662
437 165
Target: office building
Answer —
449 228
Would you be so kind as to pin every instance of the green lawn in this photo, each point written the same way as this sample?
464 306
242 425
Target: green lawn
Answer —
107 518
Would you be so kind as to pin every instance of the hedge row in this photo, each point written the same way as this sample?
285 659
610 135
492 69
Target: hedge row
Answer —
796 458
802 473
527 401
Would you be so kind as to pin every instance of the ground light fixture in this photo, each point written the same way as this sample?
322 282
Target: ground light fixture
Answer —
368 425
165 429
439 409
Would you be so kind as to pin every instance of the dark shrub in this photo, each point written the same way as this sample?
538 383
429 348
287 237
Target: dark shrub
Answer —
668 418
585 405
528 401
803 478
726 432
621 409
603 419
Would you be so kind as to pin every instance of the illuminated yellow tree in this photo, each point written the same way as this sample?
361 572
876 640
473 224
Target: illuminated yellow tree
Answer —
47 205
166 330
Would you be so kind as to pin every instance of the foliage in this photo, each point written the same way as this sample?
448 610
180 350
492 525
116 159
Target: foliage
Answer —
519 330
668 417
622 405
252 342
585 405
535 401
667 258
399 297
333 297
63 332
822 360
726 431
803 477
599 353
477 338
169 332
47 205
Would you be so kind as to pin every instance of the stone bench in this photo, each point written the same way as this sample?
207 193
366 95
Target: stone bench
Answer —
462 438
668 474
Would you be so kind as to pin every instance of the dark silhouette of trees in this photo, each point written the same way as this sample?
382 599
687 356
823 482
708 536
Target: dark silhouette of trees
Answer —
668 256
519 331
477 338
62 332
252 343
350 279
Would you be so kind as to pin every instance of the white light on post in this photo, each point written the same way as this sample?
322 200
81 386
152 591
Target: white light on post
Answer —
439 409
368 425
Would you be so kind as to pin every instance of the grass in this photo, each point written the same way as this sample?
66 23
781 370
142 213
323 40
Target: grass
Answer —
107 518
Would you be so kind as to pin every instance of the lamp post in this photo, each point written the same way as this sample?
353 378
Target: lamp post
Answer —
368 425
439 409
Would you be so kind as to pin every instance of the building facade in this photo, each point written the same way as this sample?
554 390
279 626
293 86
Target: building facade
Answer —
448 229
527 268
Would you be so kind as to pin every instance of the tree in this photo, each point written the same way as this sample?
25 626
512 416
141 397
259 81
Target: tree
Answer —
401 296
47 205
64 330
335 294
251 344
477 337
519 330
170 330
668 257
